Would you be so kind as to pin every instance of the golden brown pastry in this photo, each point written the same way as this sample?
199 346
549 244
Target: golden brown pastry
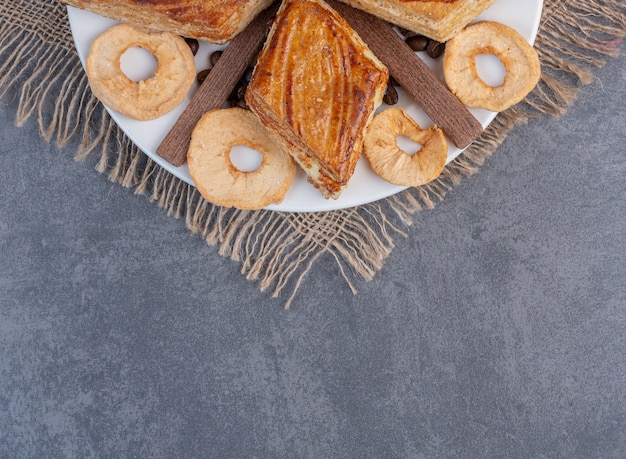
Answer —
216 21
316 85
436 19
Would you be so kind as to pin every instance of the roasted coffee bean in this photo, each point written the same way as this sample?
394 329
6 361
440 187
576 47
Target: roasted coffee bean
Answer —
247 76
391 95
393 81
201 76
435 49
193 45
406 32
418 42
241 91
238 91
214 57
236 102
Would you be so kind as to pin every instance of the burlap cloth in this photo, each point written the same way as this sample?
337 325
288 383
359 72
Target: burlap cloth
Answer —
38 62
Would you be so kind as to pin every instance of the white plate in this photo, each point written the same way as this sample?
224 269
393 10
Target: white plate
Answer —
365 186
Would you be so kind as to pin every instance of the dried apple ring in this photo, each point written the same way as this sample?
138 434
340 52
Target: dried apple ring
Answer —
216 177
519 58
146 99
395 165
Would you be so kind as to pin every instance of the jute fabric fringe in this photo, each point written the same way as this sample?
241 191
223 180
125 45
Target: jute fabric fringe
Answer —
38 62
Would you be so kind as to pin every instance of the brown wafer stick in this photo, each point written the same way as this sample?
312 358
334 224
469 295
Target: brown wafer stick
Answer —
443 107
217 86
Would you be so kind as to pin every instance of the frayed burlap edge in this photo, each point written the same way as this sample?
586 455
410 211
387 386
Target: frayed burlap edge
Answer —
277 250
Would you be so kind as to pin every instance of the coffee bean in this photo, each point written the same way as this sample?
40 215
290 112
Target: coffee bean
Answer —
214 57
418 42
201 76
406 32
241 91
391 95
435 49
247 76
238 92
193 45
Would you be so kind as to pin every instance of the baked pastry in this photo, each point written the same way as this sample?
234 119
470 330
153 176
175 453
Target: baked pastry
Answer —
316 86
215 21
436 19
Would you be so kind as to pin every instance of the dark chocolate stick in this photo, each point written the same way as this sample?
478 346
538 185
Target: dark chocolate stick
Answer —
217 86
443 107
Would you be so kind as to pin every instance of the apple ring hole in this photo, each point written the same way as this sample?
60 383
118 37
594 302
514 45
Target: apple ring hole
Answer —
490 69
245 159
408 145
138 64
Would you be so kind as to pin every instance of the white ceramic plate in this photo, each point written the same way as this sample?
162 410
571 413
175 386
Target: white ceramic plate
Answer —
365 186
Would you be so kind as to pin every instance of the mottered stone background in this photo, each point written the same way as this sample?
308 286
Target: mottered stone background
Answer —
496 328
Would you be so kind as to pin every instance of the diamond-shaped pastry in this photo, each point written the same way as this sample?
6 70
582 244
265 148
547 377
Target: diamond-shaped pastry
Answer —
316 86
216 21
436 19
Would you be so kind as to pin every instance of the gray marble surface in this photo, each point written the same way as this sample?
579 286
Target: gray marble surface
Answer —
495 330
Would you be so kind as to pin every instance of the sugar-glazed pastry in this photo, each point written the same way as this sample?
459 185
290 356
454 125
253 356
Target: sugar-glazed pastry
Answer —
436 19
216 21
316 86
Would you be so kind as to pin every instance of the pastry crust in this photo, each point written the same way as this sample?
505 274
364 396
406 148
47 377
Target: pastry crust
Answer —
436 19
316 85
215 21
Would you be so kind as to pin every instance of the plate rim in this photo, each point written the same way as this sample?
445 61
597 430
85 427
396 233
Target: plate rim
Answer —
323 205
